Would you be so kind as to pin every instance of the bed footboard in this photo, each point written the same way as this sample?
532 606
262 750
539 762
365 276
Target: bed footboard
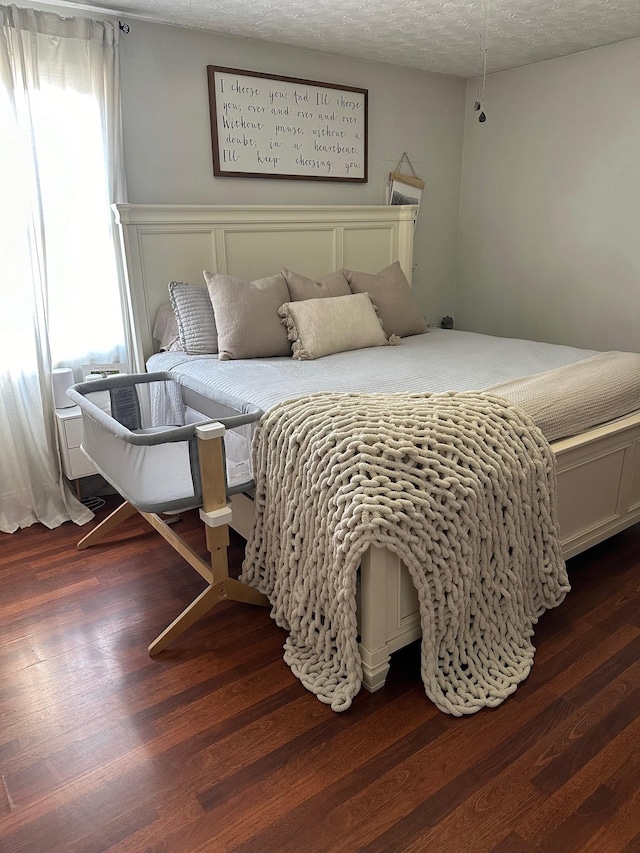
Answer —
598 483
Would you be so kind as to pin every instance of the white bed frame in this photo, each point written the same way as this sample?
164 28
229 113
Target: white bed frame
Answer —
598 471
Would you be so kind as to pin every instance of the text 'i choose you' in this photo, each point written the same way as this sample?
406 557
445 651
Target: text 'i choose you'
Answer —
280 127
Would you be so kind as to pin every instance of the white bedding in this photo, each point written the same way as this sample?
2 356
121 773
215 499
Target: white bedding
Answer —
440 360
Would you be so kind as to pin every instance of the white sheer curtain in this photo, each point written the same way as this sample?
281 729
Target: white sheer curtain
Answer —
61 278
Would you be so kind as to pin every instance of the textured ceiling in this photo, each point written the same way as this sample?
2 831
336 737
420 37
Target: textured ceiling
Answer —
443 37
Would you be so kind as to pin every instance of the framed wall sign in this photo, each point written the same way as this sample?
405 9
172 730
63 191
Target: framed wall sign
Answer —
266 126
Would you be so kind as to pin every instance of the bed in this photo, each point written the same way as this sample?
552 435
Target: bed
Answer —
598 471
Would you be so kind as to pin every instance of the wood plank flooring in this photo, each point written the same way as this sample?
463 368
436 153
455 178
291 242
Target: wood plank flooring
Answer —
215 746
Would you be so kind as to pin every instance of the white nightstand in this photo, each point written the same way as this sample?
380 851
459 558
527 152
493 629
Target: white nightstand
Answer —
74 463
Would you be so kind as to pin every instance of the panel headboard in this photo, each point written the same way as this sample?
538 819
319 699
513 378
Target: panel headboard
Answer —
163 243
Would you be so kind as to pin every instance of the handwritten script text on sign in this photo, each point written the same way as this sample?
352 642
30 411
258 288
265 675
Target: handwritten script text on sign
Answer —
274 126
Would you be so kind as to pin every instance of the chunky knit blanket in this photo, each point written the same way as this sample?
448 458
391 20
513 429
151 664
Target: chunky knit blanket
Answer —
461 486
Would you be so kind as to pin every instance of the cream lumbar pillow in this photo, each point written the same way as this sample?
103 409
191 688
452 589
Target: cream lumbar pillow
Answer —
247 316
391 294
301 287
319 327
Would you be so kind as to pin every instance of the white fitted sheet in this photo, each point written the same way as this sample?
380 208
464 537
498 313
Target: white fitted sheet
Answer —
439 360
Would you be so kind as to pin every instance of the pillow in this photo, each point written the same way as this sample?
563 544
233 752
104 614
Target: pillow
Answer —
320 327
194 315
247 316
391 294
165 329
301 287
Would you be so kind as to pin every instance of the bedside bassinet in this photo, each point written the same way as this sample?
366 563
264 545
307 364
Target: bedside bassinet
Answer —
163 455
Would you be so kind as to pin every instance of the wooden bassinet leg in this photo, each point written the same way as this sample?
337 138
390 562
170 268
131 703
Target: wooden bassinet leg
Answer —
122 513
215 514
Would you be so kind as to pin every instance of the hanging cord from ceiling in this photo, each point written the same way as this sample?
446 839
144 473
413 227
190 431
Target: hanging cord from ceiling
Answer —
482 62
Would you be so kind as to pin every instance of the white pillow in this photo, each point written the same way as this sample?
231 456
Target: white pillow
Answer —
165 329
319 327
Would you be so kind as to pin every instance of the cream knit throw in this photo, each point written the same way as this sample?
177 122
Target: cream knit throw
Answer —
460 486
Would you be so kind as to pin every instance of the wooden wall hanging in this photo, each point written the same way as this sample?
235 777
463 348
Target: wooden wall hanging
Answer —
404 188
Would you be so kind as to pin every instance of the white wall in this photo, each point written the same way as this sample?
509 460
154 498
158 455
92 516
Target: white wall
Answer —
549 241
167 136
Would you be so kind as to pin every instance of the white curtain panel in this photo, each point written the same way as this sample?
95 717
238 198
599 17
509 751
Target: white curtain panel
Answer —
61 279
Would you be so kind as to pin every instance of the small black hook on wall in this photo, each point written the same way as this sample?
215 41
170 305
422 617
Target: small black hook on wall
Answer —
124 27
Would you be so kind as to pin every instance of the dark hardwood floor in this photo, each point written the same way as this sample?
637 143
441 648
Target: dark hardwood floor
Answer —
215 746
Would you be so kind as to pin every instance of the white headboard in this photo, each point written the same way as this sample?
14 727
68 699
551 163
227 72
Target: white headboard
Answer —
164 243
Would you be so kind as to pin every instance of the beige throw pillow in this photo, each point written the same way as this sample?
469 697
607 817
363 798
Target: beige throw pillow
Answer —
319 327
301 287
247 316
391 294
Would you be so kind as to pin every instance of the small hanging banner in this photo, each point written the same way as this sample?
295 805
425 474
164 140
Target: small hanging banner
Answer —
405 189
412 180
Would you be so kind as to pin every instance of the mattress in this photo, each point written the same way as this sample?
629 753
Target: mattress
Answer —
539 377
440 360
